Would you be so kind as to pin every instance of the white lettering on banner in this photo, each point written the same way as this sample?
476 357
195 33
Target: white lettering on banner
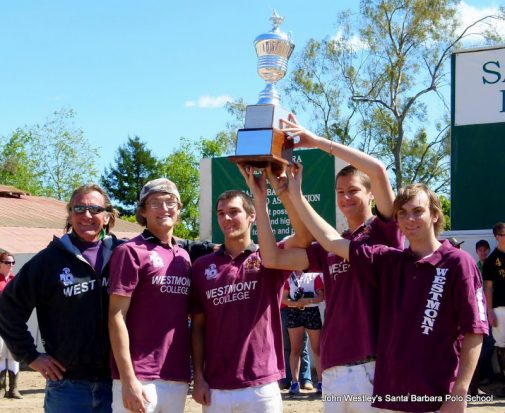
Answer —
231 292
433 302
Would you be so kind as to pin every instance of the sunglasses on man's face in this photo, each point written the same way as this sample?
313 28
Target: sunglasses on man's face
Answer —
9 262
93 209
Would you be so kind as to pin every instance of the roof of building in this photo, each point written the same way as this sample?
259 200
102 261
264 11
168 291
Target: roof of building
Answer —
28 223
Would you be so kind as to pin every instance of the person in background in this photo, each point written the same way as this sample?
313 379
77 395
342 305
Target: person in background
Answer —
484 372
303 291
67 285
493 272
8 366
305 368
482 249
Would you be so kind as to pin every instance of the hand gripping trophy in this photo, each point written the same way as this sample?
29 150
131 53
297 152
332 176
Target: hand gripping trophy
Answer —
262 140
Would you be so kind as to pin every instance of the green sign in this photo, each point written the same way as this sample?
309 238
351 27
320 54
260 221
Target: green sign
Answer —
318 186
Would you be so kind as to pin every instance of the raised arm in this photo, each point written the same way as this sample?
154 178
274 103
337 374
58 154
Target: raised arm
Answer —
271 255
375 169
302 237
324 233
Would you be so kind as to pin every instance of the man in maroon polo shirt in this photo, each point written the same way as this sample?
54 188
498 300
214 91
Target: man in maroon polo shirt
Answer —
149 306
236 324
432 312
350 330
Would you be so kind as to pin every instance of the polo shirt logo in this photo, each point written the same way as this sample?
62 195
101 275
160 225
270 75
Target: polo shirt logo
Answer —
156 260
433 302
66 277
252 264
211 272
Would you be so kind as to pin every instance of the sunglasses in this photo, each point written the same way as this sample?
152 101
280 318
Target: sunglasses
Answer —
93 209
9 262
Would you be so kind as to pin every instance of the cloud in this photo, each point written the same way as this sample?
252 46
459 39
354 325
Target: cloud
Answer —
355 41
468 14
209 102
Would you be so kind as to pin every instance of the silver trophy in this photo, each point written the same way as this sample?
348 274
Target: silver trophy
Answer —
262 140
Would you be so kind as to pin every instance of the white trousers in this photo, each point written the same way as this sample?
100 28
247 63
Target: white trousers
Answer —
265 398
165 396
7 362
342 381
499 330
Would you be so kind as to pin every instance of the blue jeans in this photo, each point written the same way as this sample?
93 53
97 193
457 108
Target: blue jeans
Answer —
78 396
305 373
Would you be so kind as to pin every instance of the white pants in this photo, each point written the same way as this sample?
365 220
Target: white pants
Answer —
7 362
499 330
265 398
165 396
340 381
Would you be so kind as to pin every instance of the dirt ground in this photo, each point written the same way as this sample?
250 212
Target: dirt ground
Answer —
32 388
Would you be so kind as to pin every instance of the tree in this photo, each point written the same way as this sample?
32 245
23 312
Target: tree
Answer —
369 85
16 167
134 165
51 159
182 167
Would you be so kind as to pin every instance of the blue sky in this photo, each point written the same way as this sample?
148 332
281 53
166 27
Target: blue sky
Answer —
156 69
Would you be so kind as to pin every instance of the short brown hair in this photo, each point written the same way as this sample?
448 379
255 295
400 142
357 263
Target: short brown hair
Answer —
409 192
109 209
498 227
350 170
247 201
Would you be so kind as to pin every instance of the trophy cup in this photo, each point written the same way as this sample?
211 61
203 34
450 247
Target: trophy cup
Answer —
262 141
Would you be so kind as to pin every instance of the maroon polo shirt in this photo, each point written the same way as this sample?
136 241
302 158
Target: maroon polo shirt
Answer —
350 328
427 305
157 278
243 333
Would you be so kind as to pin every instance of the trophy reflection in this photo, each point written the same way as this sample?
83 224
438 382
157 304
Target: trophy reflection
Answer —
262 141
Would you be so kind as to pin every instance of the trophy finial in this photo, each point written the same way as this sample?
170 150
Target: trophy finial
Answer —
276 20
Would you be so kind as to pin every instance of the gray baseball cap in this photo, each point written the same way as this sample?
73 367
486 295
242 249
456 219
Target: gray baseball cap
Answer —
159 185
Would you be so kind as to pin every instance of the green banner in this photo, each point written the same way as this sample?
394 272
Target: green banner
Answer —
318 186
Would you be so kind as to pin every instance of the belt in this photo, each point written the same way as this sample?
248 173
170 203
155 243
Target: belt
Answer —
365 360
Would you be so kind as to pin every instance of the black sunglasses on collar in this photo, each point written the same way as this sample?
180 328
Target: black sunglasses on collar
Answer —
93 209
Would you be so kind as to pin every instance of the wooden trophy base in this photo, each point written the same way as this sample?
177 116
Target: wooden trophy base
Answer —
260 147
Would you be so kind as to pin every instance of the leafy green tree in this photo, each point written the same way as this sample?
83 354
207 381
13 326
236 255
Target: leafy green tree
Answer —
16 167
133 166
50 159
446 208
182 167
369 85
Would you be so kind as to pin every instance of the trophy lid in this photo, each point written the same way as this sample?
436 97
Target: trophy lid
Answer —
275 33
